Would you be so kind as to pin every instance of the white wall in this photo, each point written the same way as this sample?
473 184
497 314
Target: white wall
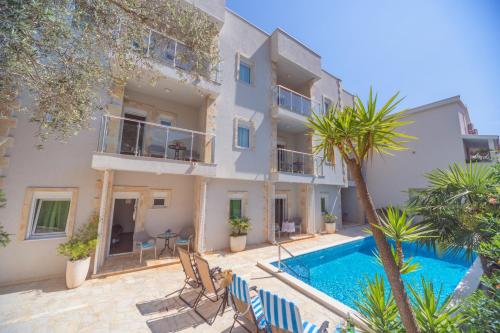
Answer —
334 204
438 144
217 229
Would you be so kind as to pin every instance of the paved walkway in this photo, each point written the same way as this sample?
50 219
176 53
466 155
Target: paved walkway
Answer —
146 301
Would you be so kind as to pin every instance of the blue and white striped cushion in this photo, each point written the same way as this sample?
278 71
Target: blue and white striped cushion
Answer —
280 312
308 327
239 288
259 313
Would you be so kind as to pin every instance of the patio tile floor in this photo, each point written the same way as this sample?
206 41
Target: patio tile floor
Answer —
146 301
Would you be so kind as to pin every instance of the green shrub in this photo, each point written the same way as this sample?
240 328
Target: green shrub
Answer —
329 218
239 226
81 245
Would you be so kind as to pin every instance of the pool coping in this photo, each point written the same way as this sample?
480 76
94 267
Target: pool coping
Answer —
466 286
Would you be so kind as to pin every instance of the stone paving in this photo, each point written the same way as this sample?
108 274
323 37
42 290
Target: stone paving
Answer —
146 301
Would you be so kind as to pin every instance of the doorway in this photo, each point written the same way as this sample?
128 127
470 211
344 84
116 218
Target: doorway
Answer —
132 135
280 211
122 226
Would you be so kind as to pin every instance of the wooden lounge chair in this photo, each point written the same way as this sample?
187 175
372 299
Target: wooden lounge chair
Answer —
211 287
244 305
283 316
191 279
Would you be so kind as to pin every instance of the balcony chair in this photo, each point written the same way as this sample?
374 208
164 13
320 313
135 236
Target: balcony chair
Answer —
143 241
212 287
245 306
283 316
185 238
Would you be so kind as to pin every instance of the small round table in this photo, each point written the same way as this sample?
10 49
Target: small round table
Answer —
177 149
166 236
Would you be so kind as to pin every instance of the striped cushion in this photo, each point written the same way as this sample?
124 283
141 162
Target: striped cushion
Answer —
308 327
257 310
182 241
145 245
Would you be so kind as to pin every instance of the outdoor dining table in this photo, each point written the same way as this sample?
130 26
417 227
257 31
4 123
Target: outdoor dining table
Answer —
166 236
177 148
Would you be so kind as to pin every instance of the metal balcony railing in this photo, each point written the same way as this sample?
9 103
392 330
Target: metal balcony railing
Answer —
299 163
119 135
295 102
174 53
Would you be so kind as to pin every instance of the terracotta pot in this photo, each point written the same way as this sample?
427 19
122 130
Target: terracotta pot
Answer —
238 243
330 227
76 272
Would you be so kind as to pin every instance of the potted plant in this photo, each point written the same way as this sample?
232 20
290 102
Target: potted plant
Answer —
238 237
78 250
329 220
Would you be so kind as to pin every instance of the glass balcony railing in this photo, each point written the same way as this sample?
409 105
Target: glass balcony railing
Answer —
299 163
173 53
295 102
132 137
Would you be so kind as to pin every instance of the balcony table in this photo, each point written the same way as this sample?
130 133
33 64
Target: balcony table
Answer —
166 236
177 148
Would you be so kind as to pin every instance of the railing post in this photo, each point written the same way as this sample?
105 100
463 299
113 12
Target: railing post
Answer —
303 163
166 144
293 162
149 42
137 139
104 132
175 52
191 149
279 258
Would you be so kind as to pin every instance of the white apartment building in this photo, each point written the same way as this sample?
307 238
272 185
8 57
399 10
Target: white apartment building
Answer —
444 135
179 154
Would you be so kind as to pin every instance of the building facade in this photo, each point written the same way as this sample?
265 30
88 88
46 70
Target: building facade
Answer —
444 135
179 154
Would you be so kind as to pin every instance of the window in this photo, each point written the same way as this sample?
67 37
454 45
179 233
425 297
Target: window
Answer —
166 122
245 69
235 208
245 73
243 136
327 103
49 215
324 203
161 199
244 131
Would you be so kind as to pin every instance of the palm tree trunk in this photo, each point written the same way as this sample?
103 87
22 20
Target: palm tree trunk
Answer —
390 266
399 249
484 265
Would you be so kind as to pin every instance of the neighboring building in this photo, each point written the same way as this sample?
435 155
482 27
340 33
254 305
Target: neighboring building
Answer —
444 135
179 154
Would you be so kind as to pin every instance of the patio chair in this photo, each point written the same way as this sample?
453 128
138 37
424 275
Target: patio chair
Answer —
211 287
190 272
244 305
284 316
185 237
143 241
298 224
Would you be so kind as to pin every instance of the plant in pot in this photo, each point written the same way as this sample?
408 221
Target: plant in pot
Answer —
330 222
78 250
238 237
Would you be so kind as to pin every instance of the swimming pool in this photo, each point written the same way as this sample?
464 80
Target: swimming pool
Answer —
338 270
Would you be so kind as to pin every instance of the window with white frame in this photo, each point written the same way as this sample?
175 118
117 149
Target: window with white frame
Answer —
161 199
243 134
324 203
327 103
49 215
237 204
245 69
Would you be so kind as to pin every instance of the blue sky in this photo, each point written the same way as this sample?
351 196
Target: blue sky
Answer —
426 49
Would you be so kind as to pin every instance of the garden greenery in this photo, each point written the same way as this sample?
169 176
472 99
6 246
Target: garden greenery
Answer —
81 245
239 226
60 55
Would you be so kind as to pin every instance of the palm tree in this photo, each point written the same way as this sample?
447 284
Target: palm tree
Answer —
357 133
395 224
460 203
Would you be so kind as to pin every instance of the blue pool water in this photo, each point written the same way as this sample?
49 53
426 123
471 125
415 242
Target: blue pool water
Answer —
338 271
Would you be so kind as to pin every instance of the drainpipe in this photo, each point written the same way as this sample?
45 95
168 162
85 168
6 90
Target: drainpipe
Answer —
100 227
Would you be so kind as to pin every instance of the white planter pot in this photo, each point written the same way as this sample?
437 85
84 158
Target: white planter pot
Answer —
330 227
238 243
76 272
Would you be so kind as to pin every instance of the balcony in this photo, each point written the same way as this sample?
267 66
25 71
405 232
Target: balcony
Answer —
296 166
132 145
292 101
481 148
170 55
